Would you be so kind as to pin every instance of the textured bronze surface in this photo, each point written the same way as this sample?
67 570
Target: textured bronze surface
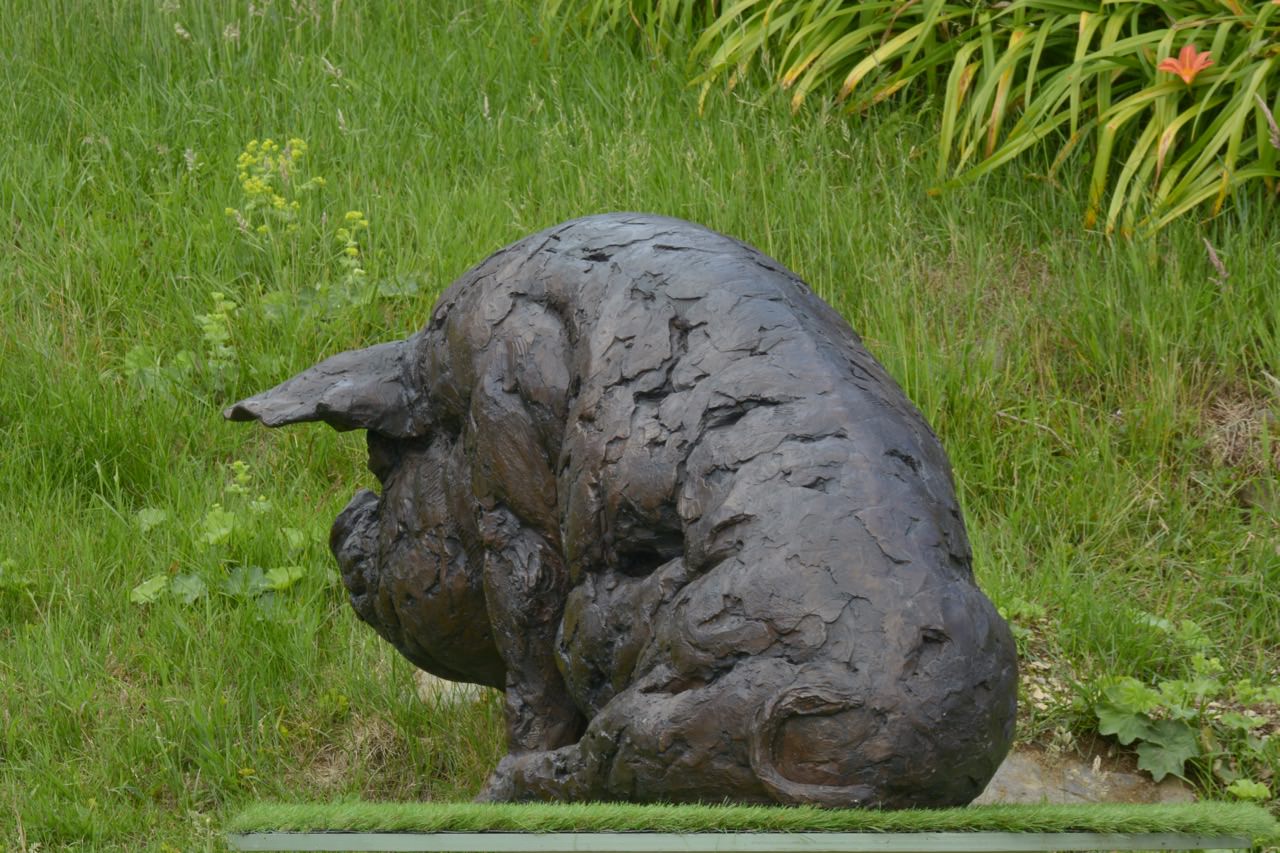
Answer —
637 475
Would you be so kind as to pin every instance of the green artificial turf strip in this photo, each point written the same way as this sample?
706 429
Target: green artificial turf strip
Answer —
1206 818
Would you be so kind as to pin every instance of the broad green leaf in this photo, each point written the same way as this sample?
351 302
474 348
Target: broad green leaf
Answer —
245 582
1246 692
1240 722
1157 622
1125 725
187 588
1177 699
1169 751
143 366
1174 733
1161 761
150 517
294 539
218 525
1191 635
1247 789
149 590
1023 610
397 287
140 359
267 607
283 577
1206 687
1130 694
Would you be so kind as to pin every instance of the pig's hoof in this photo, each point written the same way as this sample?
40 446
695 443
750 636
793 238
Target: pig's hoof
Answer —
499 788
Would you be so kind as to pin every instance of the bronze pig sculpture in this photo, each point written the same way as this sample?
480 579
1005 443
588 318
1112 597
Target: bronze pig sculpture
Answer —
638 476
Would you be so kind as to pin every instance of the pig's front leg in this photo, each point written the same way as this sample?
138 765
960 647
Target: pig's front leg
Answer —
525 584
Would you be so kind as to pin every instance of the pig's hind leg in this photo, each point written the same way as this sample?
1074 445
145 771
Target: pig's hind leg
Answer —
656 741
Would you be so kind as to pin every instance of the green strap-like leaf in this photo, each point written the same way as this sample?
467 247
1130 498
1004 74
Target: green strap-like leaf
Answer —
957 86
1207 189
1089 22
1132 164
878 57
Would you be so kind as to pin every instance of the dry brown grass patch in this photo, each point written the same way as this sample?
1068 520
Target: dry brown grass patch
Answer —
366 746
1014 272
1242 431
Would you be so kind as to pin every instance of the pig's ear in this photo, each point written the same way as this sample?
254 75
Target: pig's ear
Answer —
369 389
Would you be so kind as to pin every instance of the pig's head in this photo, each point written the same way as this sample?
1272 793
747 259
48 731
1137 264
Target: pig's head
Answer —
370 389
399 553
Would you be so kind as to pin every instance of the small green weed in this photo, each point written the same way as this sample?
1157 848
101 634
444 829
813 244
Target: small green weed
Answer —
350 258
11 582
1205 727
1021 616
228 532
145 369
211 370
219 355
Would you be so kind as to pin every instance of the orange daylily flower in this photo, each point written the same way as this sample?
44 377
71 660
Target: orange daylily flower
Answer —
1188 64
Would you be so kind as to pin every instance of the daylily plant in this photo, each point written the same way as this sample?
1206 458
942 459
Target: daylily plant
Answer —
1016 77
1188 64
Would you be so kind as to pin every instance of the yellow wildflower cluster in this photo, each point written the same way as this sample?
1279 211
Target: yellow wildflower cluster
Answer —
354 223
269 182
272 183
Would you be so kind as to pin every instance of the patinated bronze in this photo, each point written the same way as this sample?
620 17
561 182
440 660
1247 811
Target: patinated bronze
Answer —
638 476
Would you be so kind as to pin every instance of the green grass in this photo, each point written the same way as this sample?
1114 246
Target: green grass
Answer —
1200 818
1078 386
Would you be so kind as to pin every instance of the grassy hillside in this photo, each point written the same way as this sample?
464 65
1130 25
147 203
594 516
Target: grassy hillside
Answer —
173 639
